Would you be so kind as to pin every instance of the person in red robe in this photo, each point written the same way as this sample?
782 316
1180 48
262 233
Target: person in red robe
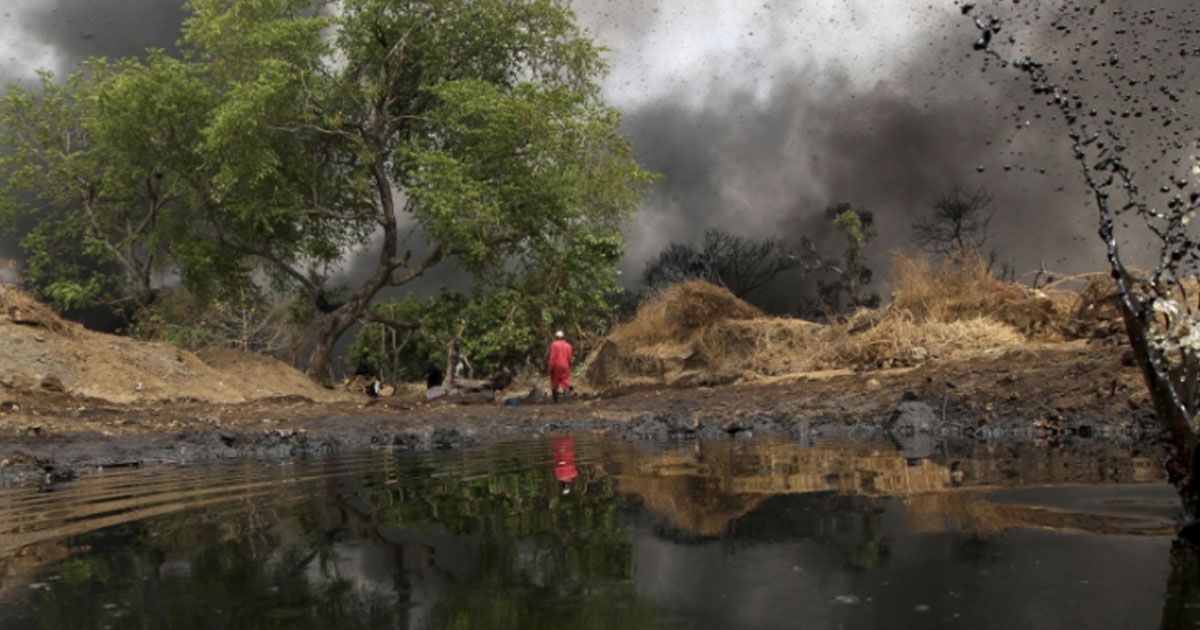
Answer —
560 366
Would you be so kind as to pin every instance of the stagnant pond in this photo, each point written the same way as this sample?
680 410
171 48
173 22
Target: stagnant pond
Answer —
566 532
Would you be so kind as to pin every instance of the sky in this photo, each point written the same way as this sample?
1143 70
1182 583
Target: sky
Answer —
759 115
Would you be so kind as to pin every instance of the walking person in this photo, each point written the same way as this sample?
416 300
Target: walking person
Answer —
560 365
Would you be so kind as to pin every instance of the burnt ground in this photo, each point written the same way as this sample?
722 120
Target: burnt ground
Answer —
1076 393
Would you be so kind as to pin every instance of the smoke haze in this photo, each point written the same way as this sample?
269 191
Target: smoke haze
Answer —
782 111
759 115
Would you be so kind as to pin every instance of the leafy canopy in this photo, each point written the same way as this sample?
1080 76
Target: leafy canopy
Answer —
297 139
96 172
443 130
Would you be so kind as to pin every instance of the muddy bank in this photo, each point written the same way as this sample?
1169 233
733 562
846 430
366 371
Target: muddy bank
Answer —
1075 392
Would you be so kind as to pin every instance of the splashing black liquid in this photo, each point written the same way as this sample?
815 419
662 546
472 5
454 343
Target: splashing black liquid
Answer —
1121 105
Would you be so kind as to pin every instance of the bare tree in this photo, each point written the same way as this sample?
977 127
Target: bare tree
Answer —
739 264
957 223
250 318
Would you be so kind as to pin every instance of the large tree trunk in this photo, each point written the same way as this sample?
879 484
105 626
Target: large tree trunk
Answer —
356 307
451 364
321 357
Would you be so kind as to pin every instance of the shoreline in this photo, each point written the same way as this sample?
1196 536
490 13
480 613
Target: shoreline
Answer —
1076 392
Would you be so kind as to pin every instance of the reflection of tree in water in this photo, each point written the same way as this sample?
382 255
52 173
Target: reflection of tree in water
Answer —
536 559
544 559
173 574
874 548
1181 609
973 548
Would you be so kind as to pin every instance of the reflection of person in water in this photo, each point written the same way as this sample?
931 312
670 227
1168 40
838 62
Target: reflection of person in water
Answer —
564 462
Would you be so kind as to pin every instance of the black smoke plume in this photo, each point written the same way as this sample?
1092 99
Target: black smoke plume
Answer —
761 152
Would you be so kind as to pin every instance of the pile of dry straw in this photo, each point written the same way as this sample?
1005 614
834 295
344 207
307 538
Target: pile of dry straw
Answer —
698 333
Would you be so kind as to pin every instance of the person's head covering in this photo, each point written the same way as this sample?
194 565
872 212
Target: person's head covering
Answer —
559 334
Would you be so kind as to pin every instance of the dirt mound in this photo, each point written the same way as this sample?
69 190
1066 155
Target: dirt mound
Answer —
697 333
679 310
263 376
40 351
19 308
673 337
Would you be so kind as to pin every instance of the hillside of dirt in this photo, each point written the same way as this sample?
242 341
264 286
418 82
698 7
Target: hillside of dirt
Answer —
40 352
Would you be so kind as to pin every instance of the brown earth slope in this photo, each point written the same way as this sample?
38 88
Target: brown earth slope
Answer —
41 352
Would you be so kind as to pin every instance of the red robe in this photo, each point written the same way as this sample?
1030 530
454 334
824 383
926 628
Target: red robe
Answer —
564 460
560 365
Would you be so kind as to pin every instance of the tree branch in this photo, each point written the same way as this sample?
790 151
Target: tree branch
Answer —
401 326
274 259
436 256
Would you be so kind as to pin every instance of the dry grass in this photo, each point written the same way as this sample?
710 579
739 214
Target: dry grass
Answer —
767 346
20 308
901 340
700 333
955 310
964 289
679 310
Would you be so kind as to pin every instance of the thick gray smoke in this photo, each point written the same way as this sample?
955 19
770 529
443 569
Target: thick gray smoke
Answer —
60 33
768 116
759 115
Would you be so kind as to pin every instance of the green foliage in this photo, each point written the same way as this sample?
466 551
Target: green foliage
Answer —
96 173
509 323
847 291
293 134
484 114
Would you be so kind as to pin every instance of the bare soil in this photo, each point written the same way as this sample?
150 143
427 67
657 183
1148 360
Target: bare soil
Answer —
1079 390
40 352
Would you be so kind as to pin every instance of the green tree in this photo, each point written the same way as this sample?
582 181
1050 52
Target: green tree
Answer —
847 291
473 126
505 322
300 138
94 175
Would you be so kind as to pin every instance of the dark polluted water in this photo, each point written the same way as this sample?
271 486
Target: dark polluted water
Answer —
568 532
